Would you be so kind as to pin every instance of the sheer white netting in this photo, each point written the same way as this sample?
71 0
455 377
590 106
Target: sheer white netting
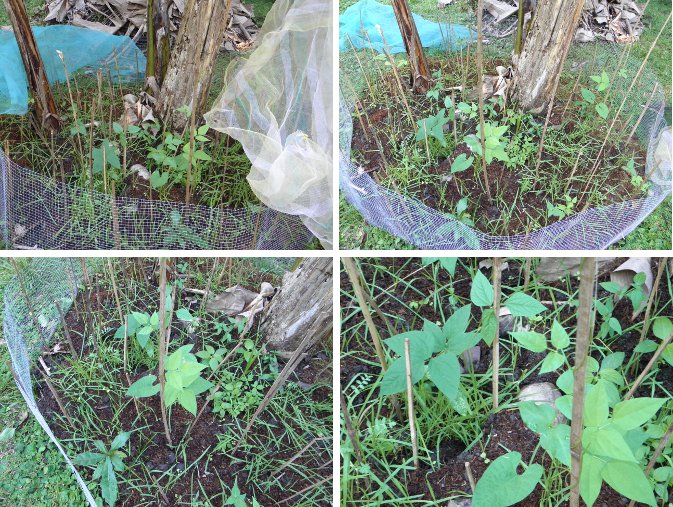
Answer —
278 104
594 228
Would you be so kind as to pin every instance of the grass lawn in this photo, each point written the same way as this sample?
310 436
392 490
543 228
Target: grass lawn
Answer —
653 233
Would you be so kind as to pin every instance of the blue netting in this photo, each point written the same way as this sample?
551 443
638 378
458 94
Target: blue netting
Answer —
82 49
366 14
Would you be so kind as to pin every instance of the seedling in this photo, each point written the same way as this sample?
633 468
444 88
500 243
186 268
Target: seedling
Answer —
493 141
105 463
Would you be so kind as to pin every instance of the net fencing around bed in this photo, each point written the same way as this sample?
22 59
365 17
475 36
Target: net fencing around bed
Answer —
30 328
595 228
37 211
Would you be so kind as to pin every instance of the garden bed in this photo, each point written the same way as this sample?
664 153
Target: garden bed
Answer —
408 292
285 458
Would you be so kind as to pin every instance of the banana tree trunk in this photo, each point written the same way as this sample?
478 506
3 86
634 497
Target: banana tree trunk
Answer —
187 79
301 308
420 73
45 106
541 60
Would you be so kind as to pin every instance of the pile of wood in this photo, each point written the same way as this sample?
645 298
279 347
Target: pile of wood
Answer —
611 20
129 17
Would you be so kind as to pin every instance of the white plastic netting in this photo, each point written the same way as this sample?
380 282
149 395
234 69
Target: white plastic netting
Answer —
595 228
278 104
28 329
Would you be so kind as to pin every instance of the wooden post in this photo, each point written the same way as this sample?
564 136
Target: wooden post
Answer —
420 72
192 59
45 105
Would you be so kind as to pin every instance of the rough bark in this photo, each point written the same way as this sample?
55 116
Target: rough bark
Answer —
541 60
187 79
420 72
45 106
302 307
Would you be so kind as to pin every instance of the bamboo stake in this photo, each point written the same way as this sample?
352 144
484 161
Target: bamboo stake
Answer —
480 91
410 404
352 272
87 304
206 293
162 347
650 364
58 399
66 332
584 338
642 113
115 291
497 276
470 477
526 274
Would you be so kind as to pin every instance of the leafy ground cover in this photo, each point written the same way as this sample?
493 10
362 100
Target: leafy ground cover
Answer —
439 166
190 447
469 451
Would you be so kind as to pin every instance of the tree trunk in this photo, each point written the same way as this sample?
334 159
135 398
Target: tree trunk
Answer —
45 106
302 307
420 73
544 50
187 80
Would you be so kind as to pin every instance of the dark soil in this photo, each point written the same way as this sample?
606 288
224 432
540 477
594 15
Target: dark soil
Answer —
503 431
150 442
375 153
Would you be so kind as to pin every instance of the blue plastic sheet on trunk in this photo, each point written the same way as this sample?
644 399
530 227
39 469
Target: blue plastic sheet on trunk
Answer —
82 49
365 15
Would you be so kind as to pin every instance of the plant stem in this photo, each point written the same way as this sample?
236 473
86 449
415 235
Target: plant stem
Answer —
584 338
410 404
163 347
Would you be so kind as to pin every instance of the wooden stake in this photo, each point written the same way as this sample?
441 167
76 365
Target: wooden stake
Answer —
410 404
497 276
56 396
650 364
584 338
480 91
66 332
163 347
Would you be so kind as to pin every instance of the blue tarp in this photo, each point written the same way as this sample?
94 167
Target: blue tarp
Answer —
365 15
81 47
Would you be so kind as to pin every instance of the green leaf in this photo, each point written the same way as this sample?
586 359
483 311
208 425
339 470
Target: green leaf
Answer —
556 441
444 371
590 478
539 418
459 344
565 405
481 292
143 387
612 361
457 323
120 440
421 344
588 95
108 484
607 443
200 385
551 362
461 163
187 399
645 347
662 327
629 480
183 314
158 179
501 485
236 498
530 340
633 413
523 305
596 409
395 378
488 325
559 337
667 354
88 459
602 110
143 335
